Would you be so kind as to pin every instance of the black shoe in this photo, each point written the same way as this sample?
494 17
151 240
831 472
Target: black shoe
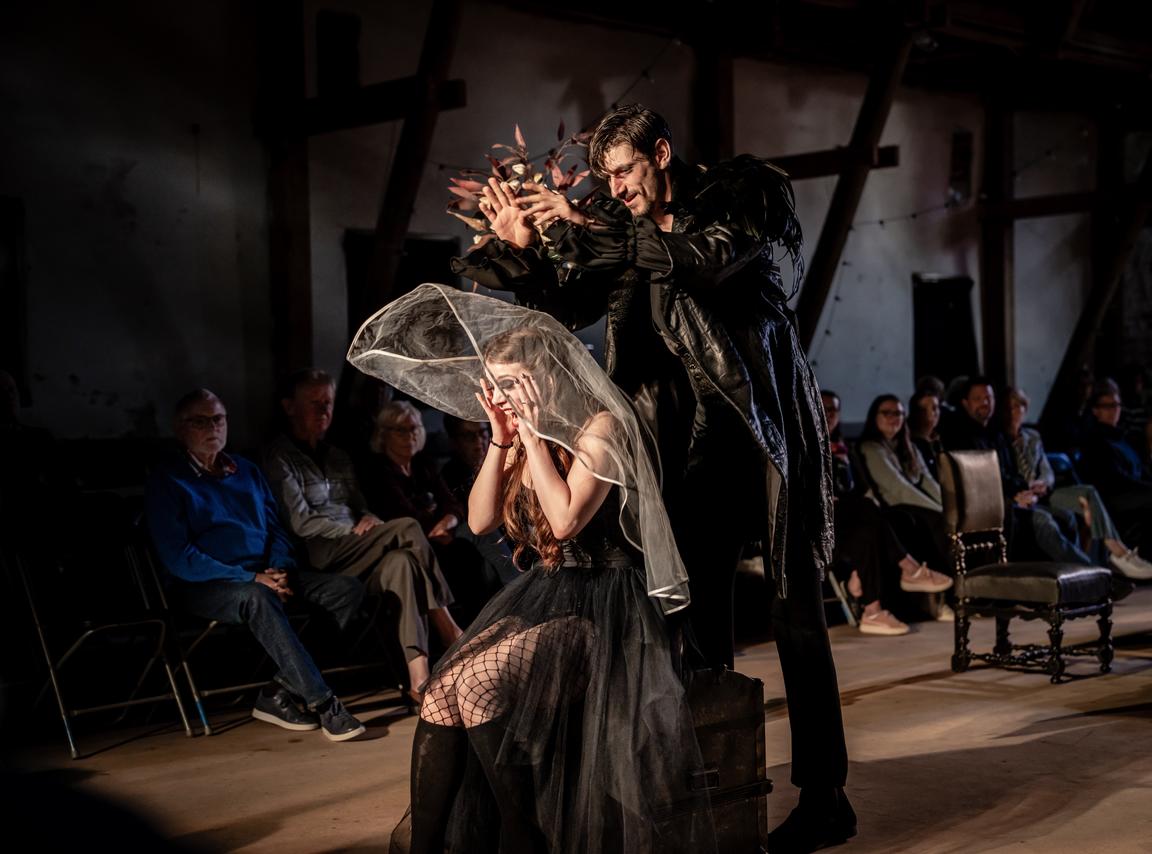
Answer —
816 823
279 708
337 722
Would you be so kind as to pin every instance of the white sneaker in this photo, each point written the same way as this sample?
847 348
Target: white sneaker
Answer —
945 614
882 623
1131 565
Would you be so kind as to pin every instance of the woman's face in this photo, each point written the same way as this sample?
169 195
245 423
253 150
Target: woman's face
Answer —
507 390
930 410
890 418
402 439
1017 411
831 411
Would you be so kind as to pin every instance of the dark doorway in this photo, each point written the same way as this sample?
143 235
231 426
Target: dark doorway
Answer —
944 337
425 259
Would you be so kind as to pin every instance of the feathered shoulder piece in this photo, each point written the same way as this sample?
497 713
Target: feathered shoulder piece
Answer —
756 197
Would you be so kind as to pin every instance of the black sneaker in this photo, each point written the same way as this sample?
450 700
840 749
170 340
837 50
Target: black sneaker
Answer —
337 722
279 708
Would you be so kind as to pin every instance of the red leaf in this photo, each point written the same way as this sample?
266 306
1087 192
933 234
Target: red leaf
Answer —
472 186
498 171
475 223
560 130
463 193
520 138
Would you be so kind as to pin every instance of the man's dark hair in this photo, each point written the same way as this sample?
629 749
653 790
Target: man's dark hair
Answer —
308 376
185 403
971 383
632 124
1106 387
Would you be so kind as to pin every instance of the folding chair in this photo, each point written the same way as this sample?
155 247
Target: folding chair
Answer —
69 620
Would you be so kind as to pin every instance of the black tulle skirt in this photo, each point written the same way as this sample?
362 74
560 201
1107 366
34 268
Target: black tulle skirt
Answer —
594 708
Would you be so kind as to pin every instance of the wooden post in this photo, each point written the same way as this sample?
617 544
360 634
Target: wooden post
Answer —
850 186
289 226
997 295
1119 227
411 156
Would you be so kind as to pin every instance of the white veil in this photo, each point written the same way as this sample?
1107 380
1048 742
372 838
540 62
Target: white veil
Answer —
428 344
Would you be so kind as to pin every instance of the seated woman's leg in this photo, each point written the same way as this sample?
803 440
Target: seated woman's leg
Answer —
439 753
487 689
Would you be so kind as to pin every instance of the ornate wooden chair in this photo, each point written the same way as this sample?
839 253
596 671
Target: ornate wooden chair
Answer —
1049 591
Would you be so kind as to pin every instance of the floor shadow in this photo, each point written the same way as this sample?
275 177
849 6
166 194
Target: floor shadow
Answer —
984 798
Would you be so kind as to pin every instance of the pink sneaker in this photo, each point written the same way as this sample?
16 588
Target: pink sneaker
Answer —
882 623
925 580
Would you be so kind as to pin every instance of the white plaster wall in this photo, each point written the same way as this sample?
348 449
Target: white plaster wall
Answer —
863 344
146 251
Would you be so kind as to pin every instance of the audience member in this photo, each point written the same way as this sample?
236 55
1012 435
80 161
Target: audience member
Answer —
1115 468
866 542
1081 499
971 428
321 503
901 481
398 480
214 523
923 419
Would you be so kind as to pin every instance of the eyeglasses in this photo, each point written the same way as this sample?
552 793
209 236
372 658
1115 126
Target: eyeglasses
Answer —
1113 405
892 413
203 422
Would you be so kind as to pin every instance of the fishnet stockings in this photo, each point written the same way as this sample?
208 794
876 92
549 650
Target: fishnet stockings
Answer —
486 677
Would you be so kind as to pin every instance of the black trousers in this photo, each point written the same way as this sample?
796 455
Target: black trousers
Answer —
713 520
866 542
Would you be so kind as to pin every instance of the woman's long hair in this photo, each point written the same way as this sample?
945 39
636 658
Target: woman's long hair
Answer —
916 421
524 519
902 441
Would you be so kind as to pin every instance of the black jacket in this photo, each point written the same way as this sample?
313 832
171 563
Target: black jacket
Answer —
698 333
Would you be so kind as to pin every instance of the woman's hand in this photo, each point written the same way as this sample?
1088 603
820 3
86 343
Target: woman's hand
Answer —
529 419
503 423
509 221
444 530
546 206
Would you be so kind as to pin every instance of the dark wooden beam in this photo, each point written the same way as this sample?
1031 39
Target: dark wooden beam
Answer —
713 104
1115 232
821 164
859 156
412 149
289 227
997 294
374 104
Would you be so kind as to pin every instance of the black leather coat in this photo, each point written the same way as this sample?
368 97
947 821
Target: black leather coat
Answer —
698 333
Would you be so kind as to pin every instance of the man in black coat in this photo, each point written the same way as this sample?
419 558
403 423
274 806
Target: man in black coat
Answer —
699 334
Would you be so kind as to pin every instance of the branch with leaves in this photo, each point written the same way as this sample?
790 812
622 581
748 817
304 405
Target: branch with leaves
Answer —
561 172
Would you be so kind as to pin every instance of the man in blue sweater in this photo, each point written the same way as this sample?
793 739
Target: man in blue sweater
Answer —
215 524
